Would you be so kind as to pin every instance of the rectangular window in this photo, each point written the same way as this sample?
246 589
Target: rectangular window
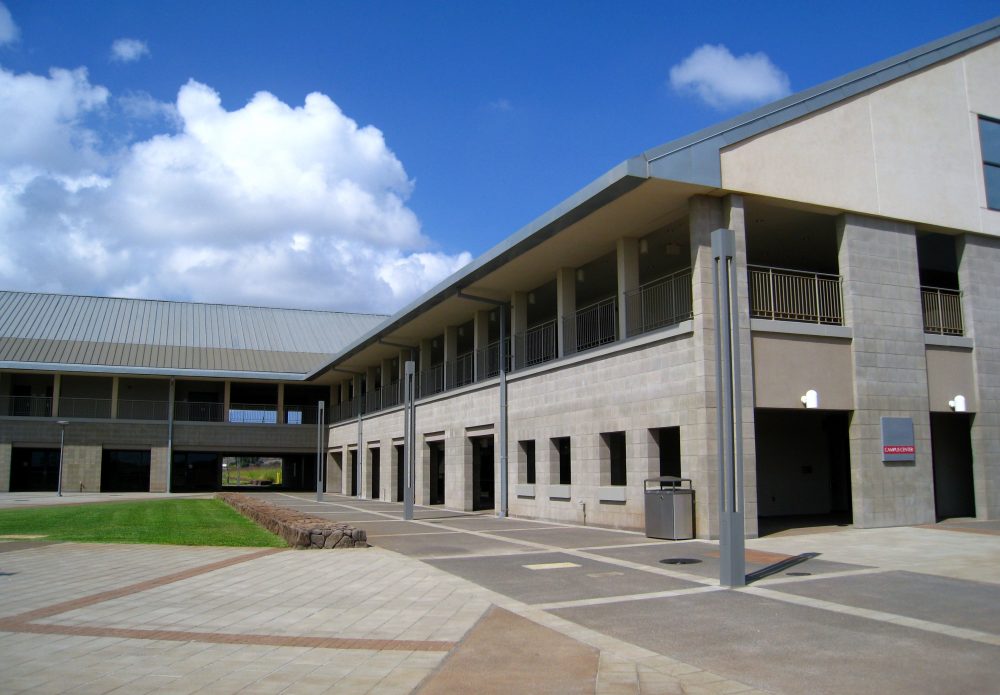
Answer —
528 460
613 458
989 138
668 445
565 468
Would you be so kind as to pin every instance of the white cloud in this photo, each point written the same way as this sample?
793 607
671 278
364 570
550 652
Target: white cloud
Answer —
128 50
267 204
141 106
8 30
723 80
501 105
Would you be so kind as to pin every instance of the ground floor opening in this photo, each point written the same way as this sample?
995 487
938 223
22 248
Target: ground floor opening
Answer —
201 471
951 450
353 455
125 470
482 472
399 458
435 477
803 469
34 470
374 460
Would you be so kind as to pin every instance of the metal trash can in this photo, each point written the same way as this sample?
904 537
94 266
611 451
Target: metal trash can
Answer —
669 508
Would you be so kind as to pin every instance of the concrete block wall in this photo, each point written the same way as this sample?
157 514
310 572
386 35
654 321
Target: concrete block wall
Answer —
979 260
5 453
158 469
82 467
881 287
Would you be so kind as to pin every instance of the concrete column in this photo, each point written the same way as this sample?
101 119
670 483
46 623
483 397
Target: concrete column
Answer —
158 469
481 339
425 355
699 459
5 454
81 466
518 326
404 356
226 399
458 472
628 279
566 309
56 384
979 258
421 477
371 379
881 285
356 383
280 408
387 372
114 398
450 355
334 473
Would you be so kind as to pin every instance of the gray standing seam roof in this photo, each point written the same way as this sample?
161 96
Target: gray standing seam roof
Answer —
151 336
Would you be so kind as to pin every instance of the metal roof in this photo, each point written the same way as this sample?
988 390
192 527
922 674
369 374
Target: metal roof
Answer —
693 159
53 331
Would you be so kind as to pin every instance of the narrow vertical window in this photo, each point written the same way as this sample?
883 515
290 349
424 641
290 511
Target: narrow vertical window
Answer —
989 138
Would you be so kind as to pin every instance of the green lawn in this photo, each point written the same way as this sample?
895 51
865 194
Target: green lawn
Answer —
168 522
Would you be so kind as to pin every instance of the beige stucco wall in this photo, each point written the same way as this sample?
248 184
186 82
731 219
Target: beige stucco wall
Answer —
908 150
786 366
950 373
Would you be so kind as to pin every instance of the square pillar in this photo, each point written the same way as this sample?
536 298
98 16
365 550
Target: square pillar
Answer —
279 415
481 340
226 399
881 286
979 258
566 310
627 256
114 398
450 355
518 326
56 387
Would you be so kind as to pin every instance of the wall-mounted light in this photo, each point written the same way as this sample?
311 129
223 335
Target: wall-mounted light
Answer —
957 404
461 331
810 400
643 246
580 275
531 297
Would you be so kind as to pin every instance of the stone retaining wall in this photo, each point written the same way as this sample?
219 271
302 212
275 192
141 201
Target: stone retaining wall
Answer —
298 530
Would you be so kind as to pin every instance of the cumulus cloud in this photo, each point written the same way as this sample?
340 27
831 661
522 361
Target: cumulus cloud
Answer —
723 80
266 204
128 50
8 30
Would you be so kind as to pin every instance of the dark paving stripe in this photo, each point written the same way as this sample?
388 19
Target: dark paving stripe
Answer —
11 546
986 531
505 653
227 638
84 601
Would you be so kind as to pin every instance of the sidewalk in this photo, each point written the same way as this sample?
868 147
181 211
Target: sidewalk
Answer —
457 602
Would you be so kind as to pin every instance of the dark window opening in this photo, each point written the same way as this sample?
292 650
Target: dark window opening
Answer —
613 445
562 445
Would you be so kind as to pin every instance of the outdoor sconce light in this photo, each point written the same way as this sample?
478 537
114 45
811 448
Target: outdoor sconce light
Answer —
957 404
580 275
531 297
643 246
811 399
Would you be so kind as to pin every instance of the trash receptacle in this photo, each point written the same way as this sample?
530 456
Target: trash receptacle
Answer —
669 508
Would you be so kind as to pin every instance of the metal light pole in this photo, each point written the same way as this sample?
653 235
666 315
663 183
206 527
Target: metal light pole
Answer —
409 438
62 446
728 405
320 427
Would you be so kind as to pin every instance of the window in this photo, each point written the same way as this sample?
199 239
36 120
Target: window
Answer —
989 138
613 458
562 451
528 460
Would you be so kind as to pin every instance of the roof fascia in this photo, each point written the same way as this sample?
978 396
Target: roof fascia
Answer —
151 371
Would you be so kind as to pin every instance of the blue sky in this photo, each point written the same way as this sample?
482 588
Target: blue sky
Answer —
489 113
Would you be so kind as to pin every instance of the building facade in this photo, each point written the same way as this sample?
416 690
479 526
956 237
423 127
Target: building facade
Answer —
866 213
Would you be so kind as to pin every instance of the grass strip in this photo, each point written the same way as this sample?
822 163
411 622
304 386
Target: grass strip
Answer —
162 522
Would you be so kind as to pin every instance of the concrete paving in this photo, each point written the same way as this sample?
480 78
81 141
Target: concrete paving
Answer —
456 602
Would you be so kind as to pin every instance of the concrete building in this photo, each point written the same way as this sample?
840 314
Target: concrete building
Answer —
867 220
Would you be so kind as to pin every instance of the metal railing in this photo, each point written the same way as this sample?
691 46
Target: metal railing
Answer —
85 407
781 294
342 411
942 309
129 409
663 302
536 345
26 406
190 411
591 326
431 381
488 360
462 371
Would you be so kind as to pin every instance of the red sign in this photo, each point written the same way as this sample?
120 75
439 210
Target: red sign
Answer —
899 449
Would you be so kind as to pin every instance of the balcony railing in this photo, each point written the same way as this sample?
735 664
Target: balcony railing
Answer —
188 411
536 345
462 371
85 407
591 326
942 311
663 302
780 294
142 410
431 381
26 406
488 360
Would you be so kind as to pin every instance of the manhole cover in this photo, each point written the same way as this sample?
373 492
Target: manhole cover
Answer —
680 561
799 574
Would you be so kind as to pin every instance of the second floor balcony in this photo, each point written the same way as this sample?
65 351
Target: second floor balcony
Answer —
782 294
942 310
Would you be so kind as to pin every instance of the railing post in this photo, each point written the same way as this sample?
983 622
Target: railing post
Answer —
771 299
819 317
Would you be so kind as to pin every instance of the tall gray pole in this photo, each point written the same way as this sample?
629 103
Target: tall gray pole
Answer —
171 396
409 457
732 571
361 451
503 410
320 430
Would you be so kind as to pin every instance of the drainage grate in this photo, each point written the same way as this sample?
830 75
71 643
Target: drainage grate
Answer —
799 574
680 561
